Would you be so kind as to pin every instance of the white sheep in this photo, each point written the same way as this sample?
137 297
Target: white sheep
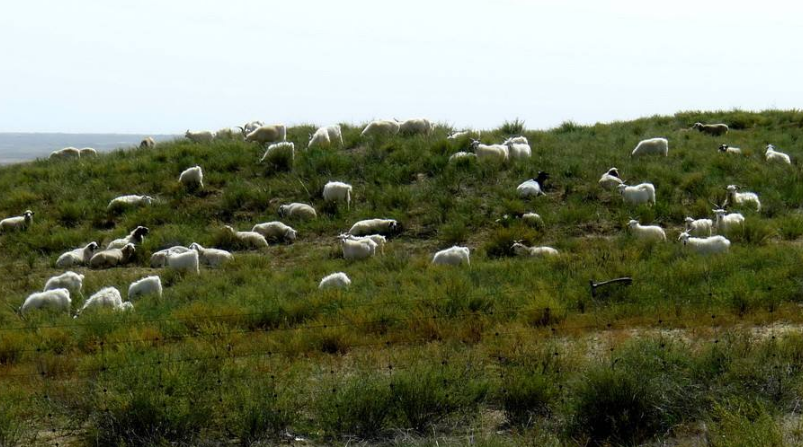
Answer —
147 143
416 125
250 127
145 286
490 151
88 152
300 211
638 194
277 231
326 136
518 147
533 187
378 239
462 156
67 152
707 245
78 256
58 299
108 297
698 227
729 150
17 222
337 192
711 129
278 151
337 280
726 222
521 139
452 256
192 177
251 238
119 203
112 257
532 219
68 280
381 127
185 262
772 155
385 227
267 134
610 179
357 249
159 258
213 257
648 232
199 136
522 250
742 198
652 146
465 134
126 306
135 237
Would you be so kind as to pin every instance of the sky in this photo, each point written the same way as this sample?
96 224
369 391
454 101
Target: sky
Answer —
158 66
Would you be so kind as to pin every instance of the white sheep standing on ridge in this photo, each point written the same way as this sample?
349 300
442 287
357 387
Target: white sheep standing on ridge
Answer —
724 148
337 192
337 280
698 227
136 237
385 227
213 257
518 147
490 151
17 222
68 280
648 232
145 286
522 250
199 136
184 262
705 246
300 211
192 177
112 257
652 146
727 222
357 249
118 203
638 194
251 238
159 258
267 134
455 255
326 136
276 231
277 151
416 125
67 152
772 155
610 179
58 299
742 198
380 127
78 256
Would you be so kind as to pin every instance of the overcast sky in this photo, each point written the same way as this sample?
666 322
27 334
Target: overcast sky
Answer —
156 66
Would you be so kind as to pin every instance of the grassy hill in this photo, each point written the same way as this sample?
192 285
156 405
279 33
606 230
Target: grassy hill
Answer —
508 350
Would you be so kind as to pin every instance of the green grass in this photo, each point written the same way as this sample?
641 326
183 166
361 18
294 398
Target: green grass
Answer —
253 350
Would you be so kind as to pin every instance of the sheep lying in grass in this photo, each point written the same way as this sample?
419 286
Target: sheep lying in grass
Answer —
378 239
17 222
533 187
78 256
57 299
355 249
145 286
68 280
727 222
337 192
266 134
452 256
610 179
276 231
326 136
386 227
136 237
638 194
184 262
285 150
648 232
192 177
67 152
416 126
772 155
159 258
107 297
199 136
250 238
729 150
337 280
122 202
522 250
112 257
714 130
698 227
518 147
88 152
462 156
707 245
213 257
742 198
490 151
147 143
299 211
652 146
380 127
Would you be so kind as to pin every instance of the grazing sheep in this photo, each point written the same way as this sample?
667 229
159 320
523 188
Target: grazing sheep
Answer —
226 133
729 150
532 219
772 155
300 211
119 203
337 280
57 299
159 258
136 237
108 297
267 134
251 238
465 134
78 256
649 232
68 280
88 152
416 125
452 256
533 187
742 198
387 227
185 262
147 143
337 191
714 130
610 179
518 147
199 136
638 194
652 146
212 257
67 152
462 156
145 286
381 127
17 222
279 151
378 239
357 249
699 227
490 151
726 222
126 306
707 245
276 231
326 136
192 177
522 250
112 257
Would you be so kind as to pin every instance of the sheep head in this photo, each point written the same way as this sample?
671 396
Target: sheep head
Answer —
613 172
128 251
684 237
632 223
723 147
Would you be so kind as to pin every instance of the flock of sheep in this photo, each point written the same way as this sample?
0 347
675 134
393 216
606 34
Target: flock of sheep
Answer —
366 236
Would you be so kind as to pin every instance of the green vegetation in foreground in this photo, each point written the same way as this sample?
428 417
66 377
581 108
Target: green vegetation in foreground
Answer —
507 351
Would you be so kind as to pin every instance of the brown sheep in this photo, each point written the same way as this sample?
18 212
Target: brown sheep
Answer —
112 257
711 129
